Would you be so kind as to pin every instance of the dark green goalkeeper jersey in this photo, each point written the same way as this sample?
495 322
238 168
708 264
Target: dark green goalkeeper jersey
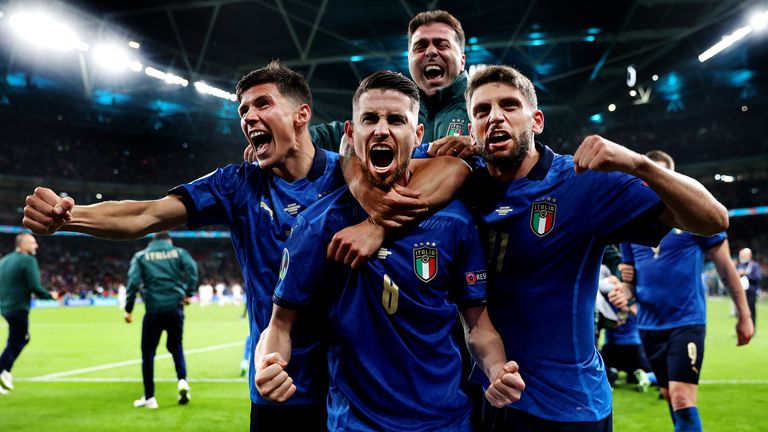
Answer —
164 273
19 278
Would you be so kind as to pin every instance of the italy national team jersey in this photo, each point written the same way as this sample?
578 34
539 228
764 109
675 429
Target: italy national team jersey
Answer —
625 334
260 208
668 283
546 233
393 364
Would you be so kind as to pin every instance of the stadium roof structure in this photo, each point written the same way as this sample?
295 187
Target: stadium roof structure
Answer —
577 53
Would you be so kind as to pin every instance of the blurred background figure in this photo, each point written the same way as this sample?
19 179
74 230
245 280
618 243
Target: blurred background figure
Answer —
749 273
19 278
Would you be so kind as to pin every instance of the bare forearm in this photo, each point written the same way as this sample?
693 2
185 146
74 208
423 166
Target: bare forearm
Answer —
125 220
274 339
731 280
438 179
691 206
487 350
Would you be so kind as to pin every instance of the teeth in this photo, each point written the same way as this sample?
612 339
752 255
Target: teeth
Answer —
430 68
380 147
498 134
257 133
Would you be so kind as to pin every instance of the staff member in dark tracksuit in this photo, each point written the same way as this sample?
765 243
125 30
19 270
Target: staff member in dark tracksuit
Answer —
168 276
19 278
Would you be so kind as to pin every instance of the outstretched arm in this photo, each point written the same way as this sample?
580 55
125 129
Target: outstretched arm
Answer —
273 352
690 206
45 213
487 349
721 257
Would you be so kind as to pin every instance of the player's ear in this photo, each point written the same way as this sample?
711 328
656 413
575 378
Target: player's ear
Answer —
303 115
538 122
419 136
471 135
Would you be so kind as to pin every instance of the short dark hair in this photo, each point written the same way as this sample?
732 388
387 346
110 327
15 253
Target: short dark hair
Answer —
162 235
439 16
661 156
289 82
388 80
504 75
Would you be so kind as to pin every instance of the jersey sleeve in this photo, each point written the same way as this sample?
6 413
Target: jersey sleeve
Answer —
708 242
190 268
327 135
33 280
209 199
625 209
302 266
627 256
134 283
468 289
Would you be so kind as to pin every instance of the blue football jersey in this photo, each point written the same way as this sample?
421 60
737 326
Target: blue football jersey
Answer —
668 283
393 363
260 208
625 334
545 234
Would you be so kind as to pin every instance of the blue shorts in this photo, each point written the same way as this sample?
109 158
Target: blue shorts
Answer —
512 419
675 354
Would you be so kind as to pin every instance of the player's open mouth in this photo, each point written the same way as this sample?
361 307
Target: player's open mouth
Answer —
498 137
381 157
261 141
433 71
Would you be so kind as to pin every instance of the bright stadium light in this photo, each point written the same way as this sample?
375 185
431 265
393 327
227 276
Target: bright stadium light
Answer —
727 41
135 66
111 57
213 91
43 31
759 21
612 107
166 76
134 44
633 92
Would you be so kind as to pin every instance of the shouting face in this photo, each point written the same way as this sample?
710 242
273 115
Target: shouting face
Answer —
435 58
384 132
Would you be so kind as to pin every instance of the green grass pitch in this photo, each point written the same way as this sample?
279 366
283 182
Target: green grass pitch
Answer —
89 361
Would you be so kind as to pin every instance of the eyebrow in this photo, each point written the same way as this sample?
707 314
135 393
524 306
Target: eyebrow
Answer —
426 39
390 115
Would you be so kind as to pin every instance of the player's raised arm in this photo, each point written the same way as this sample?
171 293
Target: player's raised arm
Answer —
45 213
486 347
273 352
721 257
690 206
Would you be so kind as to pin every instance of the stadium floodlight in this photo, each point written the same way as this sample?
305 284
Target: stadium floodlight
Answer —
633 92
135 66
612 107
759 21
655 77
111 57
134 44
166 76
45 32
213 91
727 41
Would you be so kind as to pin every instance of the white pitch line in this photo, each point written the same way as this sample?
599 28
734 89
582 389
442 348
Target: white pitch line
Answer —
135 379
130 362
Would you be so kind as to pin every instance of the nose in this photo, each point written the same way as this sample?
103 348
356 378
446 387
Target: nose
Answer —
431 51
250 116
496 115
381 131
